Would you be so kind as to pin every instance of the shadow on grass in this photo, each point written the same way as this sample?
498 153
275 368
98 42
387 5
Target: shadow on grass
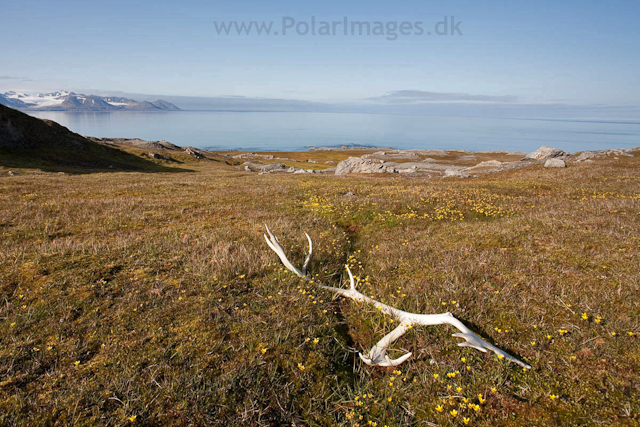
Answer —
112 160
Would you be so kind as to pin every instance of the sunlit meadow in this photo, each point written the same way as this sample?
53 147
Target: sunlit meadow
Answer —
152 299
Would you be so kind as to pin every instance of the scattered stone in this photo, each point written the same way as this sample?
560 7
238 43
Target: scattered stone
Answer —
545 152
350 194
412 169
328 170
159 156
311 161
139 143
555 163
449 173
193 152
12 173
587 155
253 156
487 164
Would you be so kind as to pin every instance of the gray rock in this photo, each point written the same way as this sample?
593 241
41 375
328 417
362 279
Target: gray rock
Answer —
273 167
194 152
257 167
12 173
555 163
328 170
449 173
545 152
587 155
493 164
159 156
412 169
253 156
359 165
350 194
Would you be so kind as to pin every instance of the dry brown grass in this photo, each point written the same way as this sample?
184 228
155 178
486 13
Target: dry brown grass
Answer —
162 290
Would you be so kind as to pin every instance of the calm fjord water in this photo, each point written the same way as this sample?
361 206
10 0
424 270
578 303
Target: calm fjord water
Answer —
264 131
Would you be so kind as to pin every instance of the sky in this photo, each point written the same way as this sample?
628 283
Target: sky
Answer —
576 54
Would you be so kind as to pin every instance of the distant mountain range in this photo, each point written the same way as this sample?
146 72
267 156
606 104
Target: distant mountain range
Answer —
69 101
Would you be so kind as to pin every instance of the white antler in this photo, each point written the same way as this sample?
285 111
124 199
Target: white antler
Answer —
378 354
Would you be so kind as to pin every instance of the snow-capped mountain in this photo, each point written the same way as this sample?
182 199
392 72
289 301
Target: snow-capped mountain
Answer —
69 101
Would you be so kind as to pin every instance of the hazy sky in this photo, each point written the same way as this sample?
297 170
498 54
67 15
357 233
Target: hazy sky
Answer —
510 52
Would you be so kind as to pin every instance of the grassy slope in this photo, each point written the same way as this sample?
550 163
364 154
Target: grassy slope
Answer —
46 145
154 296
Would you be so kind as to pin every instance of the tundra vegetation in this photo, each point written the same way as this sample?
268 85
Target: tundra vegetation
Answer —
152 299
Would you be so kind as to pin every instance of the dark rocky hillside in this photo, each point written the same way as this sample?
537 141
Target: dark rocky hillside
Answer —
27 142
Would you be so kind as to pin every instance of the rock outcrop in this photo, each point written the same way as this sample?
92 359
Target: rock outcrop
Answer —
194 152
360 165
269 168
544 153
449 173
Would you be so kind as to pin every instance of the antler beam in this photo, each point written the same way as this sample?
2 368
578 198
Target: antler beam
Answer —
378 354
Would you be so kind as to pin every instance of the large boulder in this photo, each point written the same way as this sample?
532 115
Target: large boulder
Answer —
555 163
360 165
545 152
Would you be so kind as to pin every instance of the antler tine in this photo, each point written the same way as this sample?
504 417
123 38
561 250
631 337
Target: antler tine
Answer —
378 353
352 282
308 259
275 245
